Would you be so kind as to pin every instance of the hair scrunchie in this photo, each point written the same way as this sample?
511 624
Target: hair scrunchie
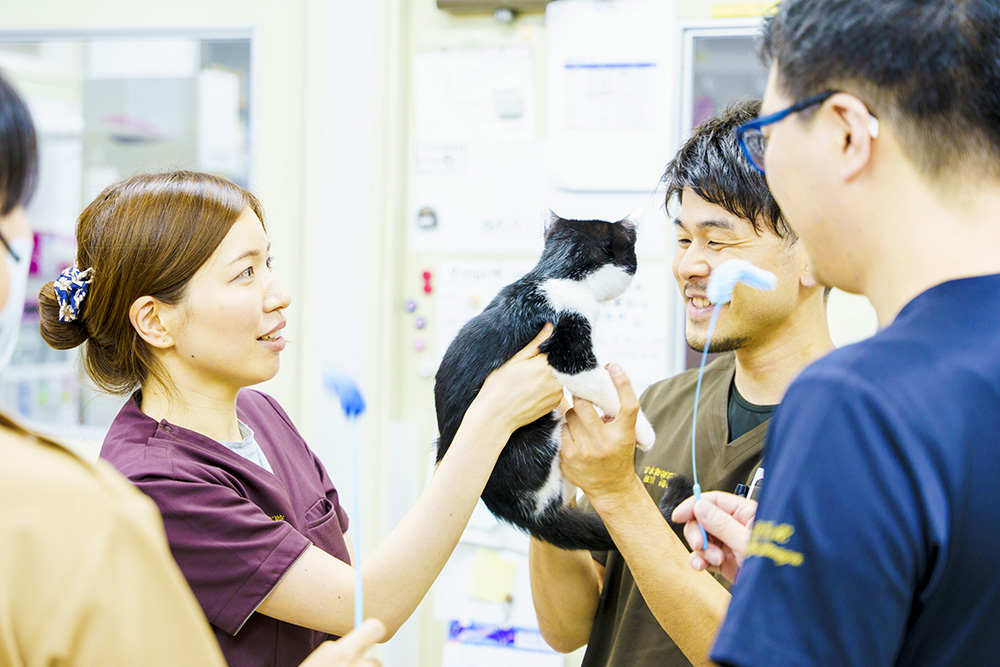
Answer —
71 288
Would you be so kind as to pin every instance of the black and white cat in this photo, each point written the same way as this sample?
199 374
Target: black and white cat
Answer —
583 263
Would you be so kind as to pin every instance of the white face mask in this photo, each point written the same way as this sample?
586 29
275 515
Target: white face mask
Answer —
10 314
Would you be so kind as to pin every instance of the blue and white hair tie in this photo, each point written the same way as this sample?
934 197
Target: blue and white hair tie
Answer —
71 288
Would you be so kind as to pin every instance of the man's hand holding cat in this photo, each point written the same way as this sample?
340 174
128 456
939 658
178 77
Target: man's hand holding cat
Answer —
522 390
596 455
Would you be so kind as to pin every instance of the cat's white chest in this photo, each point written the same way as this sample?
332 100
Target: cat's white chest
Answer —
569 296
582 296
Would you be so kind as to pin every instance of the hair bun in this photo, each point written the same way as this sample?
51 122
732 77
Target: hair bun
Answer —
60 335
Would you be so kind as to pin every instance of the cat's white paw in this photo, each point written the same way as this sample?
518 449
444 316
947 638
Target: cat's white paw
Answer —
569 492
644 435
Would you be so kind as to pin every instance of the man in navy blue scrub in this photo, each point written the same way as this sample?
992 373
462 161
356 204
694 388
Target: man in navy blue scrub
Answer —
880 139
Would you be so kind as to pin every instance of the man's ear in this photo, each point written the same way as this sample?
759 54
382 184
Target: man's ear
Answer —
807 279
858 131
145 316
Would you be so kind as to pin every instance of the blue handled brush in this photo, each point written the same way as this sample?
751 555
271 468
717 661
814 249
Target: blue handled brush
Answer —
353 404
721 284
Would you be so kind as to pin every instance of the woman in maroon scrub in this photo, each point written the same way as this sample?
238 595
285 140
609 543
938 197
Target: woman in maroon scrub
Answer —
173 294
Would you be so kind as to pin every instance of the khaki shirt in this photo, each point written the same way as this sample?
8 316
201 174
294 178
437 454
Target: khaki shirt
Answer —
625 632
86 577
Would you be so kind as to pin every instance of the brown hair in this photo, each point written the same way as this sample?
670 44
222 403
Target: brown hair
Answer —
146 235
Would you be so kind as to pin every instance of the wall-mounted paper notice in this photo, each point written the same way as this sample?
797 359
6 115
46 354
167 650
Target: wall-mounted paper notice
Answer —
474 94
477 172
452 597
611 85
637 329
492 577
477 197
465 288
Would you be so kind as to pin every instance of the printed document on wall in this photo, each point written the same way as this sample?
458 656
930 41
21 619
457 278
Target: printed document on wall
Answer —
477 197
477 172
462 95
612 68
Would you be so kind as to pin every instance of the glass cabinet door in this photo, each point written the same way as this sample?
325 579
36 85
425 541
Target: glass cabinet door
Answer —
106 106
721 64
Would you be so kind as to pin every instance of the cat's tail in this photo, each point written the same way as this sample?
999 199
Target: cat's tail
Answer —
678 490
572 528
576 528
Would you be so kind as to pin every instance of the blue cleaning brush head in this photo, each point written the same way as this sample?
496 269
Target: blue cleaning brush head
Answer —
724 277
351 400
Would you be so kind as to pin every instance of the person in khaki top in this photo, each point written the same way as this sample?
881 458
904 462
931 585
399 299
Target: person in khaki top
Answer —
86 576
85 569
642 604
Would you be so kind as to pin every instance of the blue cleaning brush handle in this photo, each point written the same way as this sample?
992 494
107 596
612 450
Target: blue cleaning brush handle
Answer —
721 284
359 604
353 404
694 418
704 535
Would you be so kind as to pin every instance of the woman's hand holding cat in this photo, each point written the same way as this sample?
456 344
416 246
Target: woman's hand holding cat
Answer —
596 455
520 391
349 650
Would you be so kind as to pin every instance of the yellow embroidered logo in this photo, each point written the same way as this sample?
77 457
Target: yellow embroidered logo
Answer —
657 476
278 517
766 537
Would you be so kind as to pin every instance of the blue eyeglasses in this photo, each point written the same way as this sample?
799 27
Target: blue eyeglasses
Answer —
754 143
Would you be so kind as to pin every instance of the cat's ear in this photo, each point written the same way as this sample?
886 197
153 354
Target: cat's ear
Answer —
630 222
633 219
551 219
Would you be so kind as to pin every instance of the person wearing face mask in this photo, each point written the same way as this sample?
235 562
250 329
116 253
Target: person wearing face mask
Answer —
86 577
17 184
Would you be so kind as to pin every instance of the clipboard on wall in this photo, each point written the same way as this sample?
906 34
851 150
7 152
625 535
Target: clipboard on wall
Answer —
610 92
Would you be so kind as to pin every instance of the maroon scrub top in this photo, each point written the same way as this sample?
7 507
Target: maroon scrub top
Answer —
234 528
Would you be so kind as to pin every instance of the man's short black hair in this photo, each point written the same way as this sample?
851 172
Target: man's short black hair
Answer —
18 151
930 67
712 165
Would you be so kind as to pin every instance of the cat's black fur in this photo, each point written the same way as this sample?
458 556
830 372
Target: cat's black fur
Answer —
574 250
